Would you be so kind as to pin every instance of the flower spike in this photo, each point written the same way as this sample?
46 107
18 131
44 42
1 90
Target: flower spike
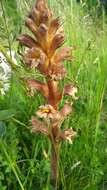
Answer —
45 53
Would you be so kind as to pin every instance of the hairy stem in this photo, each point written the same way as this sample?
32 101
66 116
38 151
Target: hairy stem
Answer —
54 165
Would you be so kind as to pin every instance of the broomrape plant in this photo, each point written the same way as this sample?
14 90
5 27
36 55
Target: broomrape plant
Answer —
45 54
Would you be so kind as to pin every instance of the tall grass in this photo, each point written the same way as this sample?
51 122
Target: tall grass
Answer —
24 162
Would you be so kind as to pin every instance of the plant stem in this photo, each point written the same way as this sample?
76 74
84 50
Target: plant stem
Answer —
54 165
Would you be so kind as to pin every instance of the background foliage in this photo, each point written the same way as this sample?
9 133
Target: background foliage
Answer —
24 157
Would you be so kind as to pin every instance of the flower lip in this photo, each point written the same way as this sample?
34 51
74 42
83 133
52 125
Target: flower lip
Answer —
45 111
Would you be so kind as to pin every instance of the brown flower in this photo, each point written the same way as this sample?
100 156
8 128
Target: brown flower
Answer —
37 85
48 37
32 57
63 54
56 71
47 112
66 110
38 126
53 28
70 90
68 134
27 41
57 42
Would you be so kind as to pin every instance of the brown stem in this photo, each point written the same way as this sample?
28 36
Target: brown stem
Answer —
54 93
54 165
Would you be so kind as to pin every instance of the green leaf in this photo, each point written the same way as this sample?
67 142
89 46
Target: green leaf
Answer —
91 187
7 114
2 128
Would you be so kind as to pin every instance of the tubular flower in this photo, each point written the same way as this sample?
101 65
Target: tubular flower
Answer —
71 90
68 134
46 111
38 126
66 110
37 85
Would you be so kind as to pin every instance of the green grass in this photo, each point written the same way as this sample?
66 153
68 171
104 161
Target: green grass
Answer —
83 165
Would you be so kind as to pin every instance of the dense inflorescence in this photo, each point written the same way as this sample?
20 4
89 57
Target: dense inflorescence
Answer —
44 53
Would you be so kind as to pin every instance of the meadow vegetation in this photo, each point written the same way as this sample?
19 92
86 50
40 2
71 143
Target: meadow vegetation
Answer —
24 157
